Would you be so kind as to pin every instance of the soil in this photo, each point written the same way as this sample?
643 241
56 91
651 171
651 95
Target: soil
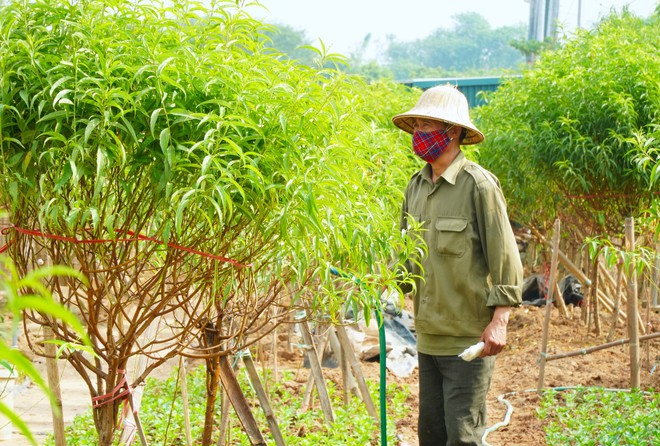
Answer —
517 370
515 379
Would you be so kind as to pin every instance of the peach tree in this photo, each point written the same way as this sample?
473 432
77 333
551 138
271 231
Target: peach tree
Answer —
577 134
201 183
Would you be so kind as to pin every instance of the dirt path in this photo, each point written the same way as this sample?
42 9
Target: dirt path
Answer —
33 406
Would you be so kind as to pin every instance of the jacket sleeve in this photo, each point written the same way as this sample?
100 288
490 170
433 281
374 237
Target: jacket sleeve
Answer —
498 244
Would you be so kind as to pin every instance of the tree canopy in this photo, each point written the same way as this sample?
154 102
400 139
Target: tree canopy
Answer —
471 47
578 133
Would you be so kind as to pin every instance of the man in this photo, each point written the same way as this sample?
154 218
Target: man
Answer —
471 274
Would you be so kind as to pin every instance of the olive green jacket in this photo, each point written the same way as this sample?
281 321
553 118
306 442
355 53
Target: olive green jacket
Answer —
472 263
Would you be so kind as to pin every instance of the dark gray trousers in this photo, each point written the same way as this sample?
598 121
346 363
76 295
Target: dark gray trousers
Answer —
452 399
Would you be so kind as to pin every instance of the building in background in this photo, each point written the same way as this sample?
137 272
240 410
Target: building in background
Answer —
543 17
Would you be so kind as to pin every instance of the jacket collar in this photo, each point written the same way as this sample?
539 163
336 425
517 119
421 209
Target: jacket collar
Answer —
451 173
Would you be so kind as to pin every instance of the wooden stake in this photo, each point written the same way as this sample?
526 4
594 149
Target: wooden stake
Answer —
560 302
53 373
130 426
357 371
136 419
315 366
276 374
350 387
595 279
264 402
309 387
224 418
183 368
612 285
633 331
655 282
239 402
570 266
586 351
548 303
617 301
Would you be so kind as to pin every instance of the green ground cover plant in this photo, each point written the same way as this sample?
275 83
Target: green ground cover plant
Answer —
596 416
162 414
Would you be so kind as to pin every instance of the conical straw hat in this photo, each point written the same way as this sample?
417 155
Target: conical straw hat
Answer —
442 103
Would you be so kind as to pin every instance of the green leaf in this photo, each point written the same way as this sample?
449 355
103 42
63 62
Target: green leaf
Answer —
164 140
154 118
91 126
53 309
14 419
21 364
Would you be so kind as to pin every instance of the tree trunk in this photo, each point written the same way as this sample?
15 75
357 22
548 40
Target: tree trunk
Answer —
212 382
104 419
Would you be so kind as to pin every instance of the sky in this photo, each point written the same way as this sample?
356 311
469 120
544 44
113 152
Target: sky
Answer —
343 24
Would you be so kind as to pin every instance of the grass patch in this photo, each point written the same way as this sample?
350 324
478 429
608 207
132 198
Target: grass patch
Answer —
596 416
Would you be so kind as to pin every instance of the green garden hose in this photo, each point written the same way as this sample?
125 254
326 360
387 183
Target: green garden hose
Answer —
383 374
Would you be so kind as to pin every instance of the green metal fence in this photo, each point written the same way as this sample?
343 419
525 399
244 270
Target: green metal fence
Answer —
471 87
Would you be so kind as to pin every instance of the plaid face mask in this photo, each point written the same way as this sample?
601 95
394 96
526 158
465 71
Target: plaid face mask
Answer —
430 145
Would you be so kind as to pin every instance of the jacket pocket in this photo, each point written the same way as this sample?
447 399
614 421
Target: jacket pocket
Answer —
450 236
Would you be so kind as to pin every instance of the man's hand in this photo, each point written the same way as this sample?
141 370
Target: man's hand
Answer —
495 333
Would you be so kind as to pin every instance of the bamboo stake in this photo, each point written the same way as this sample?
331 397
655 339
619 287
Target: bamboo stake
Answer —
345 368
617 302
128 431
612 286
560 302
239 402
183 368
350 387
589 291
261 356
570 266
315 366
655 283
224 418
548 303
357 371
586 351
276 375
633 331
136 420
263 399
647 347
309 386
595 280
53 374
608 277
